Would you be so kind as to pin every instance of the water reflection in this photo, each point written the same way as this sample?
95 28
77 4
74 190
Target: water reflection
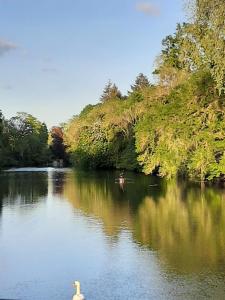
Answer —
57 179
189 231
167 236
182 222
23 188
98 194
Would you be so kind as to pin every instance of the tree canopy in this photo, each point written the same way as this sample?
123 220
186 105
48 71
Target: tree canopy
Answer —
173 128
23 141
110 91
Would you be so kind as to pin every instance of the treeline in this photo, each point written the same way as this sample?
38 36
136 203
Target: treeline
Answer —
173 127
25 141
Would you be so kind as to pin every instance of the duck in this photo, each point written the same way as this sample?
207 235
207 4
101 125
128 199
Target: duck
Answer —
78 295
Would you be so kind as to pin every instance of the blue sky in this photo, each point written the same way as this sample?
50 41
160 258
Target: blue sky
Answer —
57 55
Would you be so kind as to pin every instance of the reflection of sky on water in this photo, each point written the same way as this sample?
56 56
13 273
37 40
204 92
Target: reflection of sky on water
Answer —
144 243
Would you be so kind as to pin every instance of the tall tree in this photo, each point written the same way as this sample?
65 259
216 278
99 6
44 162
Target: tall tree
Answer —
205 38
141 82
110 91
57 146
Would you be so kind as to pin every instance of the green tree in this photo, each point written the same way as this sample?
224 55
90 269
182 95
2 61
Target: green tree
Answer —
205 41
173 128
1 139
110 91
27 140
141 83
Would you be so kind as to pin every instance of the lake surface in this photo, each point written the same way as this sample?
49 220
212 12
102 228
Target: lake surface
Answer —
149 239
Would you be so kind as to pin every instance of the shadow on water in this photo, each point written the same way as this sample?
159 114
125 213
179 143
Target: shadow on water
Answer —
182 222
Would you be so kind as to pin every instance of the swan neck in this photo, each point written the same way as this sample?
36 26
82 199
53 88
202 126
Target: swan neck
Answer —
78 288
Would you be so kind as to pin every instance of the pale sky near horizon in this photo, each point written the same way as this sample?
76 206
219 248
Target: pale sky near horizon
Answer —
57 55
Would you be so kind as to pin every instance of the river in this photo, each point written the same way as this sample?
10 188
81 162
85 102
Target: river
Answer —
148 239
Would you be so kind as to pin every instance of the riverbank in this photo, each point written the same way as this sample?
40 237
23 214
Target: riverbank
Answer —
175 133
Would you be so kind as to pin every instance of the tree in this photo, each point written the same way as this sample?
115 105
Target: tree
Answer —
110 91
141 82
205 38
1 139
86 109
57 146
1 122
27 140
175 62
175 127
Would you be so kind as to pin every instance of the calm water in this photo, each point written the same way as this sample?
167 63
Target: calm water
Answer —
151 239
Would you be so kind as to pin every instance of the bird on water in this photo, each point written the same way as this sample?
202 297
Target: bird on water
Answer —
78 295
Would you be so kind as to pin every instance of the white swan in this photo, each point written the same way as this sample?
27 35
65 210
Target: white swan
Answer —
78 295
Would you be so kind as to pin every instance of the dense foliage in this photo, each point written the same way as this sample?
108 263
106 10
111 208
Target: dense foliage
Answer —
174 127
56 143
23 141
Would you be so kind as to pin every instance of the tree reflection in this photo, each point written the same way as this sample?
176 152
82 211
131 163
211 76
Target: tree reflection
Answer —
58 182
23 188
98 194
184 223
187 227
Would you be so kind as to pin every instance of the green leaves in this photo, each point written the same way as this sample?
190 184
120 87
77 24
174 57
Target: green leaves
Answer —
185 134
23 141
175 127
140 84
110 92
206 38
